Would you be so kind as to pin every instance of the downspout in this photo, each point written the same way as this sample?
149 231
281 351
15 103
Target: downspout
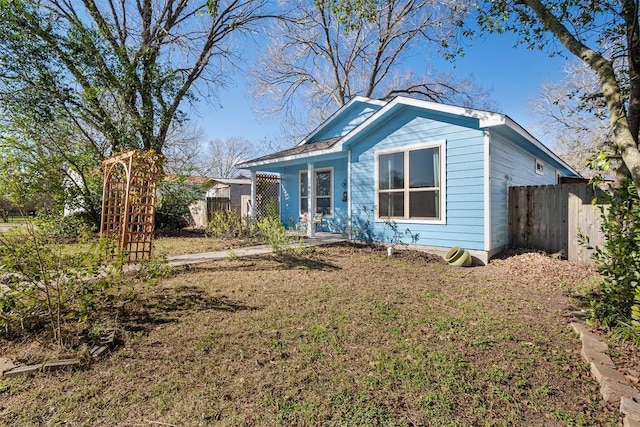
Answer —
487 193
349 213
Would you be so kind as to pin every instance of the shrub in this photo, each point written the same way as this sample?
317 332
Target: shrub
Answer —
174 198
273 209
42 290
273 232
227 224
618 261
55 227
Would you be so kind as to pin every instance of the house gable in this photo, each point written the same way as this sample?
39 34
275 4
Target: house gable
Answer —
349 117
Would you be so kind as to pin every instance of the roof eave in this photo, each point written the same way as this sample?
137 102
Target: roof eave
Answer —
511 124
307 155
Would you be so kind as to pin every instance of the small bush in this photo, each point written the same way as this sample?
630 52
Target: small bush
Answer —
617 304
172 207
42 290
56 227
227 224
273 232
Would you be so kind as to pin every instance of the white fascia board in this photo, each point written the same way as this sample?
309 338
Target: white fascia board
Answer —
485 118
525 134
338 112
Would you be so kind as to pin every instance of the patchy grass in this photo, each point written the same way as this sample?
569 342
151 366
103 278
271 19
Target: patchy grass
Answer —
171 246
189 245
343 336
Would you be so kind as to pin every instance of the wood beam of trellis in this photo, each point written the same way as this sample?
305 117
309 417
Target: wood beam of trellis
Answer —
129 201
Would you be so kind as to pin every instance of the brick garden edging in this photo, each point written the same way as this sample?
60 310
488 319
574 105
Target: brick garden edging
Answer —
614 387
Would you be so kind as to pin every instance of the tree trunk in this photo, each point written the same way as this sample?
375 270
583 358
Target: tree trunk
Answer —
624 139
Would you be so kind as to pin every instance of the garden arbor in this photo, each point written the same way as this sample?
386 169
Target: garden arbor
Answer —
128 201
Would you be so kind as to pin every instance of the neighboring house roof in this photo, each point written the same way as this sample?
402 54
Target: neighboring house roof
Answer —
379 110
232 181
207 181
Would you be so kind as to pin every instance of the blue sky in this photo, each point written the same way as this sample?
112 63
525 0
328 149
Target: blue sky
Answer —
513 76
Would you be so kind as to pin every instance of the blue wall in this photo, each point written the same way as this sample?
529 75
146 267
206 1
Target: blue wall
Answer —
290 197
464 175
346 121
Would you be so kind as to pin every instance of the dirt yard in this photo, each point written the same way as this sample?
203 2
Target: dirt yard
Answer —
344 336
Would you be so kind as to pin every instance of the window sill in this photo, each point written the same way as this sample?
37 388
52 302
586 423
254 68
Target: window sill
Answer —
411 221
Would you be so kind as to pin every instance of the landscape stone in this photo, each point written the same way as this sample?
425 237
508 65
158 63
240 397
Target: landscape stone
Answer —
612 391
48 366
593 342
6 365
630 408
22 370
600 371
592 355
97 352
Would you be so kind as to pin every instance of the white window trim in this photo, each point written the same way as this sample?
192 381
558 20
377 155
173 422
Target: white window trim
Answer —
331 193
442 145
541 170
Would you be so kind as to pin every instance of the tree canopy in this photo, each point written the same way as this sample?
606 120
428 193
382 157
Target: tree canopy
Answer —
605 35
83 79
117 70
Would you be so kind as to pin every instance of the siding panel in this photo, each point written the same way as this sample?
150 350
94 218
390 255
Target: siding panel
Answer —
347 121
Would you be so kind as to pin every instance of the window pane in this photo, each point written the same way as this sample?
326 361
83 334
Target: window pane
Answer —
324 205
391 204
323 183
391 171
303 184
424 168
424 204
304 205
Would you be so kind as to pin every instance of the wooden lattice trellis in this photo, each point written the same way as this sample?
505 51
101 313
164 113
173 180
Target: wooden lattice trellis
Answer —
129 200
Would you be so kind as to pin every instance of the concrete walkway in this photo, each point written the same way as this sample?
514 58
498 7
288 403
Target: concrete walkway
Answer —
319 239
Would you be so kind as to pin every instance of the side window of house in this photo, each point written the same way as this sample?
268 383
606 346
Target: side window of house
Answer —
409 184
324 195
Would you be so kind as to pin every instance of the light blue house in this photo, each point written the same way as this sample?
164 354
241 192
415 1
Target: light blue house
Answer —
440 171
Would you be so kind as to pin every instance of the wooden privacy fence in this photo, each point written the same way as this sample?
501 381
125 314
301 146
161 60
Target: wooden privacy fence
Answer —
550 217
216 204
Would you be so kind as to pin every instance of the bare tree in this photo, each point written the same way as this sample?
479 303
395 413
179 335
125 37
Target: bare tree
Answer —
323 55
568 113
223 156
184 150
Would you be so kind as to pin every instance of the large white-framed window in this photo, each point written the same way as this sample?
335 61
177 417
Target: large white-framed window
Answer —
409 183
324 191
